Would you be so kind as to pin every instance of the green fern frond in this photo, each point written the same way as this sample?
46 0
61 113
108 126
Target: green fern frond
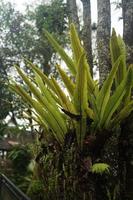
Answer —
100 168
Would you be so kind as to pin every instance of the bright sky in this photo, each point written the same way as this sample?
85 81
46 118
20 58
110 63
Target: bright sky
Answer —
115 13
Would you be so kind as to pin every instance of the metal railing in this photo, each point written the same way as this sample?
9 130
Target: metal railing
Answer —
8 191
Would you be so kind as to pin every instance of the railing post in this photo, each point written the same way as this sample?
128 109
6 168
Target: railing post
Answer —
15 191
0 184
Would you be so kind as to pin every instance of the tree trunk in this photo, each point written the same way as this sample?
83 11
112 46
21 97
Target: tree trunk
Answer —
127 8
73 13
126 159
126 139
103 37
87 31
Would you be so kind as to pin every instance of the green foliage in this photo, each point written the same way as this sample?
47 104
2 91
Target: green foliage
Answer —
100 105
76 123
35 191
46 15
14 24
20 157
5 96
21 36
58 170
51 16
117 49
100 168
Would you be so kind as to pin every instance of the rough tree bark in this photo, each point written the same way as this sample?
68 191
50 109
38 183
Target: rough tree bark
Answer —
103 36
73 13
126 137
126 159
127 8
87 31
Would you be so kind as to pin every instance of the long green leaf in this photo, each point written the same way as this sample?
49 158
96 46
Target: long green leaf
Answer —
66 103
81 130
104 94
80 96
117 48
70 64
81 99
90 82
129 87
37 119
78 51
66 80
41 74
45 91
41 112
60 96
46 80
124 113
75 43
44 102
115 100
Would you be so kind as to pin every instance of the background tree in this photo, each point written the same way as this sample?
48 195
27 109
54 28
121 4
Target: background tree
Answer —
22 36
87 31
127 9
5 101
126 151
73 13
103 35
51 17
